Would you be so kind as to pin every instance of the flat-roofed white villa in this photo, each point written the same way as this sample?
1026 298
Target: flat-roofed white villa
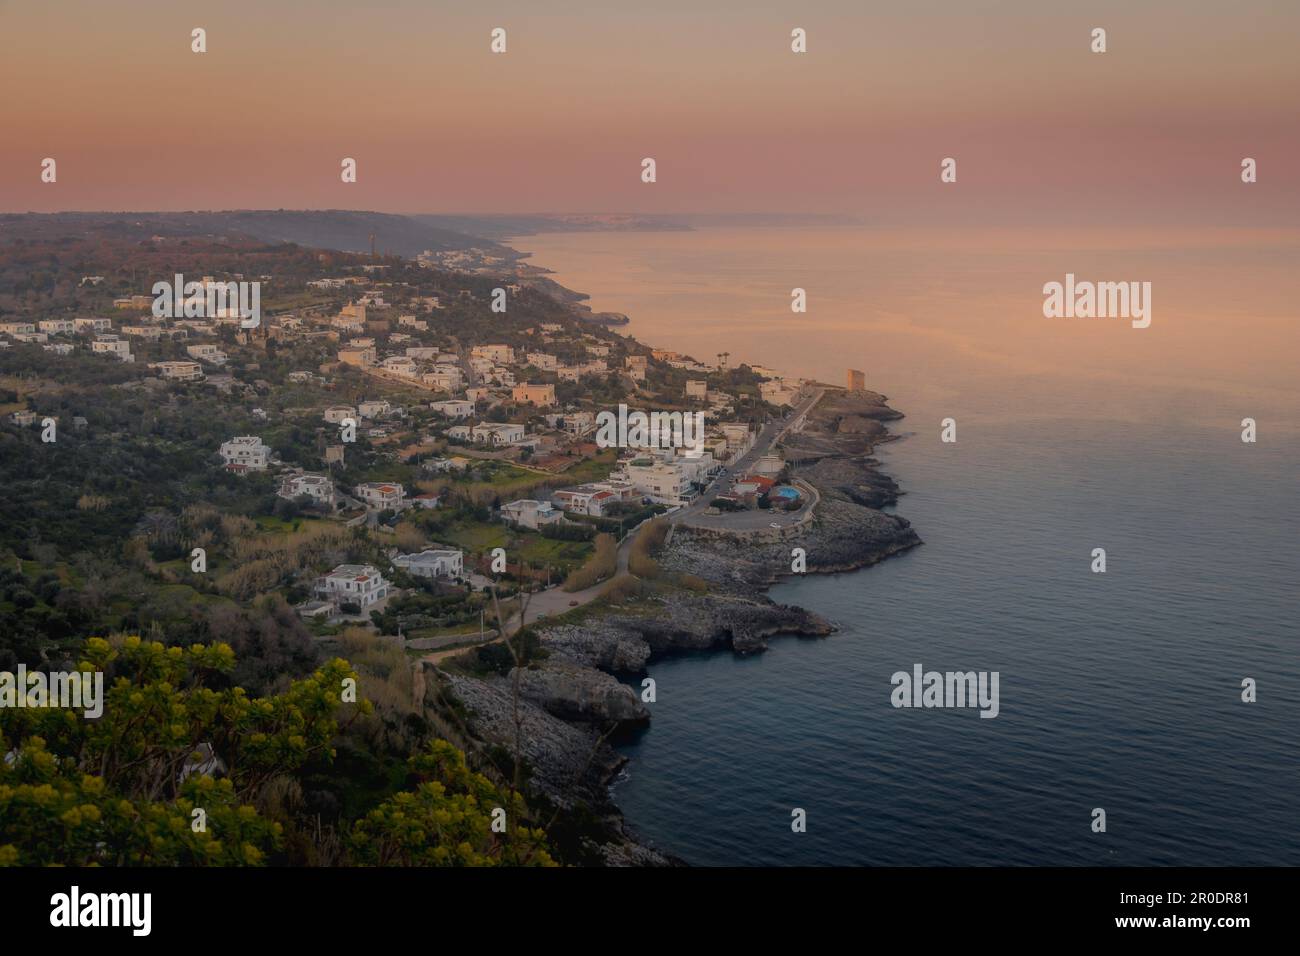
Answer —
432 563
316 487
179 371
455 408
359 584
530 513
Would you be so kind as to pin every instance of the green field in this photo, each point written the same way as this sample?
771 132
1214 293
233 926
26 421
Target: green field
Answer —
479 537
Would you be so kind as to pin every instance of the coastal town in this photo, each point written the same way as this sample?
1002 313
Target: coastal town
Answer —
392 390
444 467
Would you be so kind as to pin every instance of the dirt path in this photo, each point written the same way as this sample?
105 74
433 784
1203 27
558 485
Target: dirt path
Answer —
550 602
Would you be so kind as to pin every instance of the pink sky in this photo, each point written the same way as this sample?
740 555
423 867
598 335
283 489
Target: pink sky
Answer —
1044 131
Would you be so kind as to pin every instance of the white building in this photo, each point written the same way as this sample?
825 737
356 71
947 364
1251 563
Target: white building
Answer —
432 563
374 409
497 433
179 371
447 378
580 423
112 345
402 365
57 326
528 513
593 499
206 352
663 482
316 487
379 495
359 584
246 453
456 408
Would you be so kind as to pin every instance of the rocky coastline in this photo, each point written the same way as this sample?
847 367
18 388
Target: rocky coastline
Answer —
579 696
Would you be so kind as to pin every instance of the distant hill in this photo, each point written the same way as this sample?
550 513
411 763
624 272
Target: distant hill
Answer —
505 226
341 229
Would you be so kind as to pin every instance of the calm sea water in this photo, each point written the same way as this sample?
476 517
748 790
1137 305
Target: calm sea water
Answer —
1118 690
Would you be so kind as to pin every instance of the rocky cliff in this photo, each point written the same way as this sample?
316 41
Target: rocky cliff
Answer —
709 595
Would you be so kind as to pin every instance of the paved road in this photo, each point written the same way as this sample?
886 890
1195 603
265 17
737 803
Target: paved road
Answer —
552 602
773 432
462 358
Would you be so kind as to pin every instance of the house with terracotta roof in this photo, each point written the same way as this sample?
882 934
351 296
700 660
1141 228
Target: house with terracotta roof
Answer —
359 584
752 486
592 499
381 495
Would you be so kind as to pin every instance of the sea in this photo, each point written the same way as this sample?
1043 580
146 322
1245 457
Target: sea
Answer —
1119 691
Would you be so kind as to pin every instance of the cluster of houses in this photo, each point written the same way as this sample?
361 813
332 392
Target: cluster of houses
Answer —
671 477
363 585
103 340
248 453
490 374
146 326
58 335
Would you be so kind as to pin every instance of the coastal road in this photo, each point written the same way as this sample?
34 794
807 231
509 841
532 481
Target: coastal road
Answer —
693 514
553 602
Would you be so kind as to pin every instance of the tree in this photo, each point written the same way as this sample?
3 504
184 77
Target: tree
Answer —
447 820
175 738
122 789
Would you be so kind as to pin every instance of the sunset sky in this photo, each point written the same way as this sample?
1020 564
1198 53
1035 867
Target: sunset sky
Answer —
1045 131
